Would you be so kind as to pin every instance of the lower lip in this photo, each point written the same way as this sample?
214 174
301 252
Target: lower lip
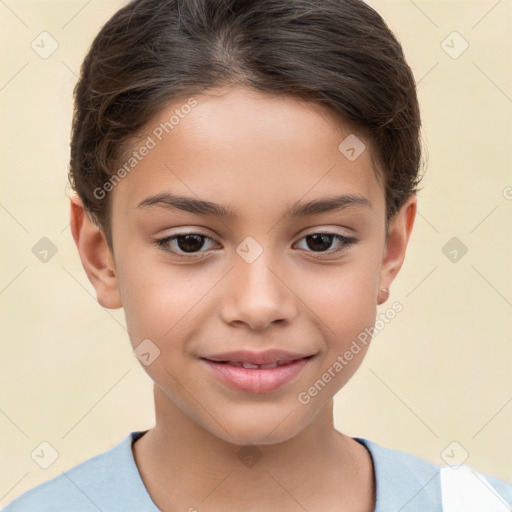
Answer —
255 380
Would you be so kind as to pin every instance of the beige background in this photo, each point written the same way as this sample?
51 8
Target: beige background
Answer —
439 372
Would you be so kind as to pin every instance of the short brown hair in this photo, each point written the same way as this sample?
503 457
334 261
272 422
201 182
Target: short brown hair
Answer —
339 53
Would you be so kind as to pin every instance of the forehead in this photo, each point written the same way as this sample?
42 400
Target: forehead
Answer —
249 151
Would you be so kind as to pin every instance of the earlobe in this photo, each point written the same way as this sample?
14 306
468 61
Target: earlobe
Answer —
400 229
95 255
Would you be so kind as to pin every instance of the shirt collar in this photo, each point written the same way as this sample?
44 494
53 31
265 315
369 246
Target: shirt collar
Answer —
403 482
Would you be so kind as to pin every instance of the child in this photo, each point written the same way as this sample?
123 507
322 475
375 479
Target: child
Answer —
282 137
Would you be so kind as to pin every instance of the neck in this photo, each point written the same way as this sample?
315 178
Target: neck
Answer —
187 466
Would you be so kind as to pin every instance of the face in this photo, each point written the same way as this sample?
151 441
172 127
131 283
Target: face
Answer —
268 274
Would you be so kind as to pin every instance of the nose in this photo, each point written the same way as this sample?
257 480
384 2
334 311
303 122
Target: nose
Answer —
258 294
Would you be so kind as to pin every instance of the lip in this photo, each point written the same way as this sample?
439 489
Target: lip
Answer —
256 380
268 356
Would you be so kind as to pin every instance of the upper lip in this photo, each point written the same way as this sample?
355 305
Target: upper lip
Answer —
264 357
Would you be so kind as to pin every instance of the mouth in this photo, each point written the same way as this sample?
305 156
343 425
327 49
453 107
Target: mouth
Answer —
251 377
271 356
253 366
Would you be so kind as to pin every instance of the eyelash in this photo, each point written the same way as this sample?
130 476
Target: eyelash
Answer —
345 241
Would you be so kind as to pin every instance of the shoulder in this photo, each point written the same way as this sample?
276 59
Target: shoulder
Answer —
403 481
103 482
408 483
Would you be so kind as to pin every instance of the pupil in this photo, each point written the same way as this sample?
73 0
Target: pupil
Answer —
192 243
324 239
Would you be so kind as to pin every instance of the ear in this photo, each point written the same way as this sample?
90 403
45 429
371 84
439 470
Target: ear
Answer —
95 255
393 256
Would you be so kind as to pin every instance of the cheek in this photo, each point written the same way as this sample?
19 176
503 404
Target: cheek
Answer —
345 297
162 300
159 300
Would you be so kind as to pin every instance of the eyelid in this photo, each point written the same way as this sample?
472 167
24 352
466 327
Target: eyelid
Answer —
346 242
163 243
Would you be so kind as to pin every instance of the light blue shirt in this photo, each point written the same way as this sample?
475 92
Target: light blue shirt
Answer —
110 482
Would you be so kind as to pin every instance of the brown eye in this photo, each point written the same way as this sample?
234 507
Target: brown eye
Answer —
322 242
190 243
184 243
319 241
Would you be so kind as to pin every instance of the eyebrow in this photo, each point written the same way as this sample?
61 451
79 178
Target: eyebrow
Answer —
298 209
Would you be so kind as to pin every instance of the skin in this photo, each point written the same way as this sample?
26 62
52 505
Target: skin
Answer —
257 154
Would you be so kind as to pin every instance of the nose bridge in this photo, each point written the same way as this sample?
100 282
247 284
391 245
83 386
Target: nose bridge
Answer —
257 293
256 268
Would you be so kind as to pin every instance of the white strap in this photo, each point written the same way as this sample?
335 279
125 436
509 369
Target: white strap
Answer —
465 490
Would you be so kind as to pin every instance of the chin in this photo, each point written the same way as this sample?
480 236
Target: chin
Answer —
258 428
258 437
